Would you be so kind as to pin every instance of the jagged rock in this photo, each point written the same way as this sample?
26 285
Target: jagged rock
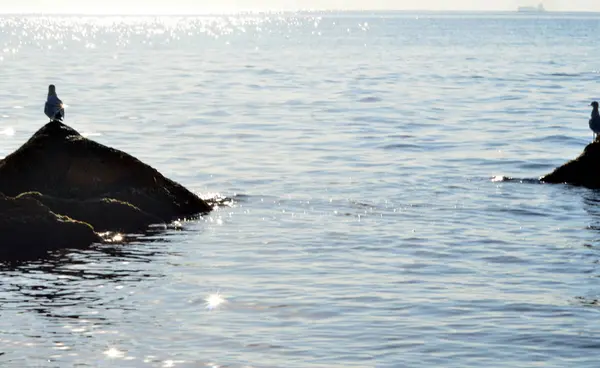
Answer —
582 171
58 162
29 229
103 214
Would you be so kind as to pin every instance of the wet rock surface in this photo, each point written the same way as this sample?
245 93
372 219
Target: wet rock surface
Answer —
28 228
581 171
60 182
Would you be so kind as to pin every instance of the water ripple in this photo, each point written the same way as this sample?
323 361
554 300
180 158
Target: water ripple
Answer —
375 177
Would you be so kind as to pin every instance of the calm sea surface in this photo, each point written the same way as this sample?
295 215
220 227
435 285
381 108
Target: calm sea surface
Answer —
364 153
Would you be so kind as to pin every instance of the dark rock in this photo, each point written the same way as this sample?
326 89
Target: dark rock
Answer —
58 162
103 214
28 228
582 171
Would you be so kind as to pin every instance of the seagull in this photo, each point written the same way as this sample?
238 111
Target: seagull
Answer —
595 120
54 108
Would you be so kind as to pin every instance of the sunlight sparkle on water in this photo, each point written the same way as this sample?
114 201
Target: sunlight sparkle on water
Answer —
171 363
114 353
8 132
214 300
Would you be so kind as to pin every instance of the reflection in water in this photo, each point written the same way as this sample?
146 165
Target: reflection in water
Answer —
54 285
54 280
591 204
77 293
76 297
49 285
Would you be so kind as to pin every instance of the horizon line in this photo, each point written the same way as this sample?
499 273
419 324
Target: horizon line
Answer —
280 11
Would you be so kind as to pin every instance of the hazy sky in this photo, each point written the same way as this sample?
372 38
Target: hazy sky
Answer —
202 6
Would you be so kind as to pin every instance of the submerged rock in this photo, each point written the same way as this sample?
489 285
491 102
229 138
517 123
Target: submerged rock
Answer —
28 228
582 171
58 162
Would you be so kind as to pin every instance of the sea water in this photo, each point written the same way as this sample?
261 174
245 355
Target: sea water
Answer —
366 156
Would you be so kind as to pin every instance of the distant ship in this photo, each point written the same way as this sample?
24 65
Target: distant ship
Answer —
532 9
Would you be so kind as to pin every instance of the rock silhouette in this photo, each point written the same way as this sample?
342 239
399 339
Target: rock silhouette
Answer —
29 228
581 171
110 190
105 214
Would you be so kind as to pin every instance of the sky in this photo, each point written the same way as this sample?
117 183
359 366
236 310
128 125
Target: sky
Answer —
206 6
